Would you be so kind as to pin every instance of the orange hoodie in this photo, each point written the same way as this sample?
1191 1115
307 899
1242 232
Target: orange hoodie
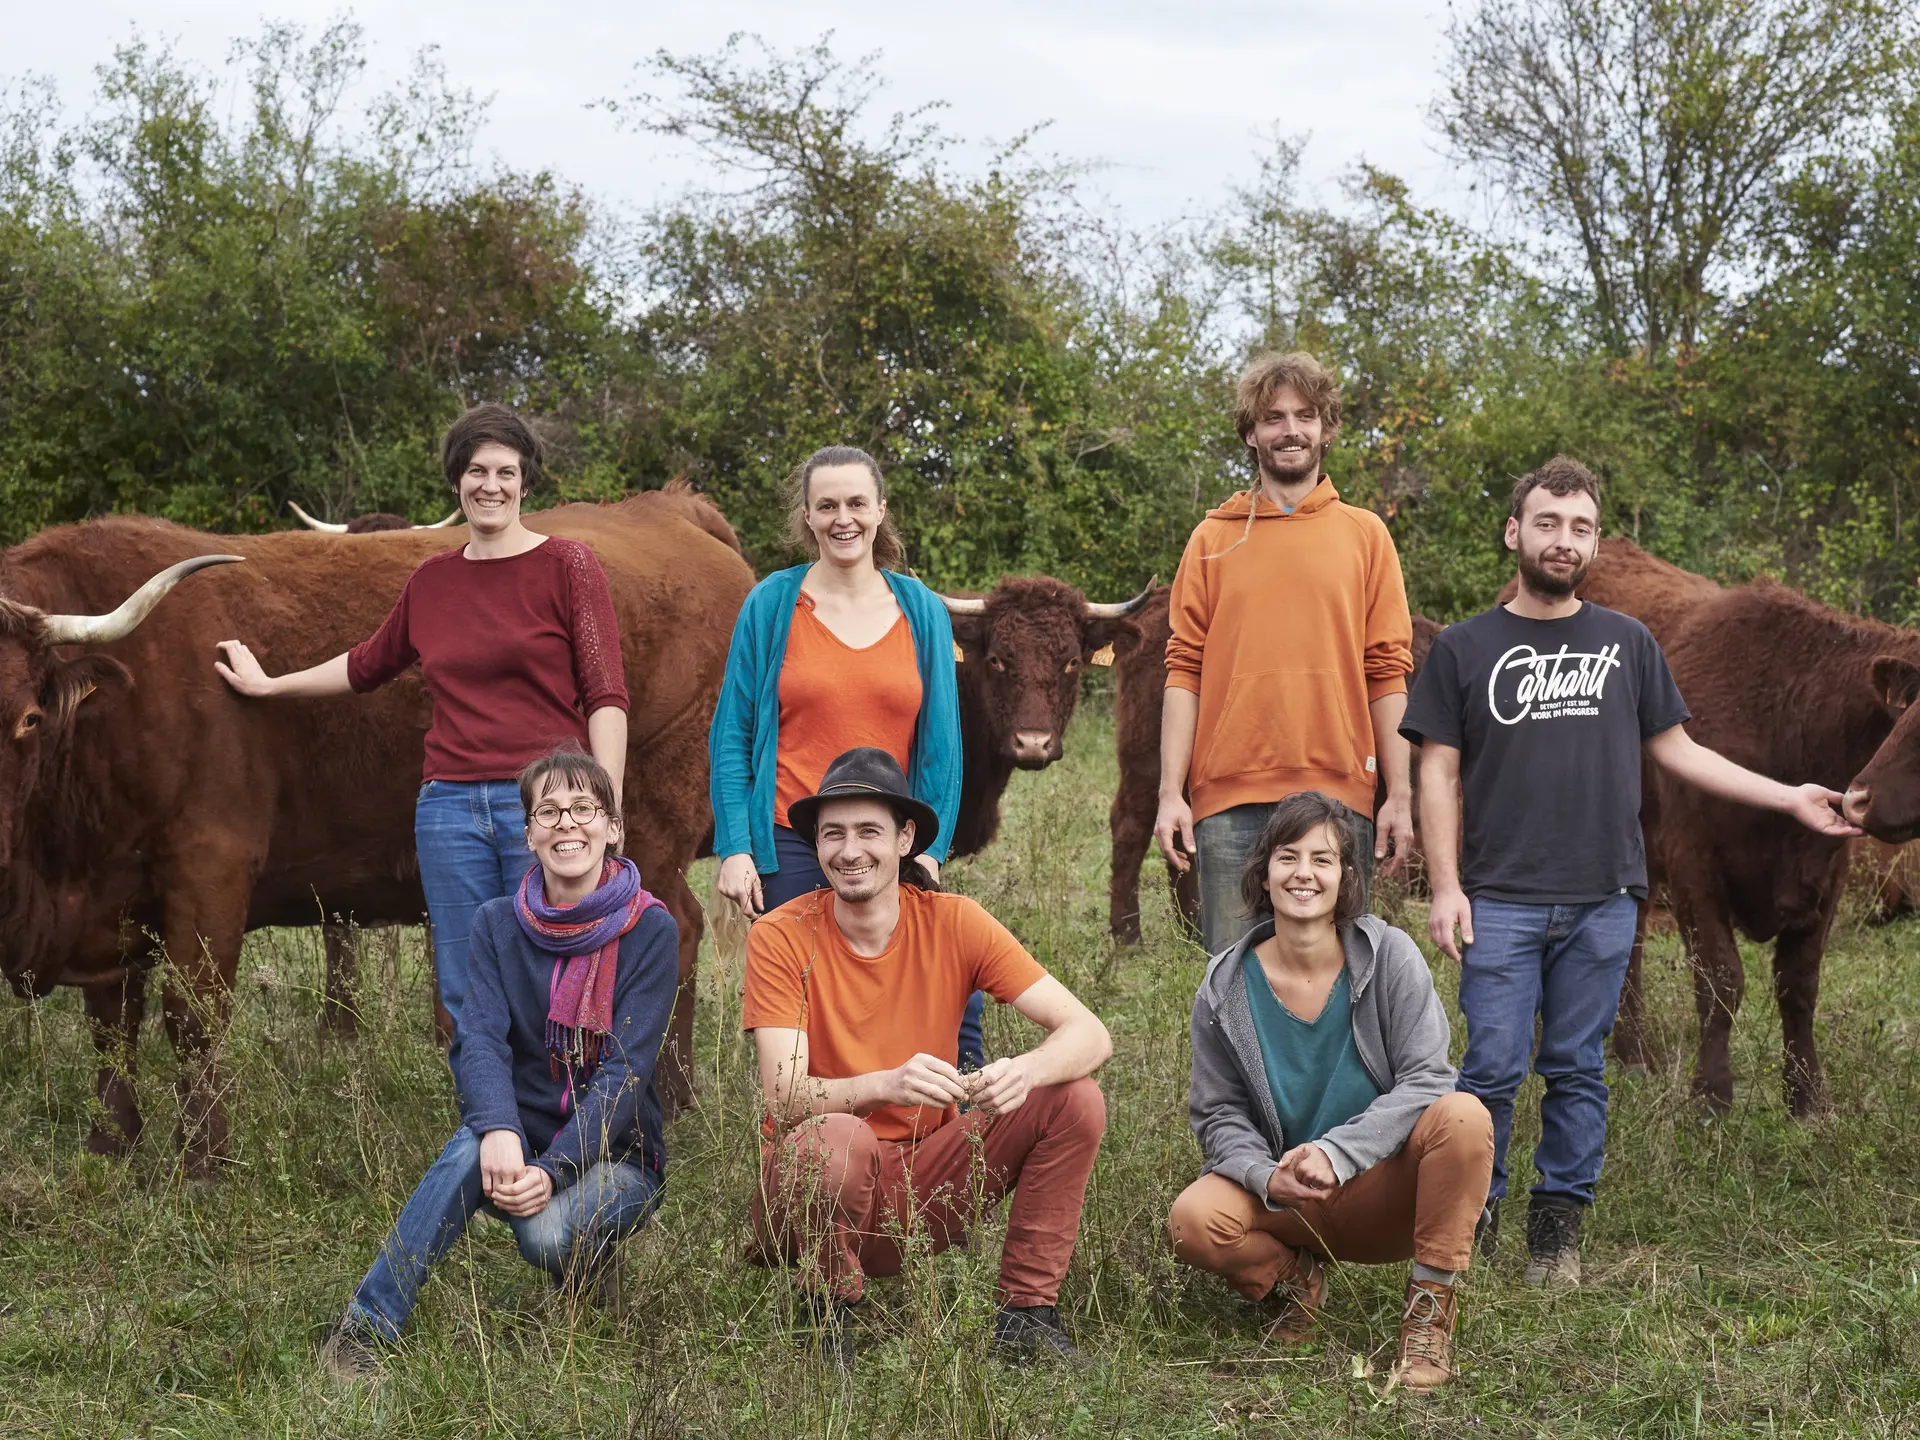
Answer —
1287 638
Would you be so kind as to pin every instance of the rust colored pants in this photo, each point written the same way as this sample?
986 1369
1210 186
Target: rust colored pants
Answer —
1421 1204
841 1201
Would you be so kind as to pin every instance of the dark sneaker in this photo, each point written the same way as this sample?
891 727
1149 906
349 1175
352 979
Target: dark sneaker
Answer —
351 1353
1553 1242
829 1331
1030 1332
1486 1230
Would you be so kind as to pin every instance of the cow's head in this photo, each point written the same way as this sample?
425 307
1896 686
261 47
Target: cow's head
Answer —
1021 652
1884 798
44 694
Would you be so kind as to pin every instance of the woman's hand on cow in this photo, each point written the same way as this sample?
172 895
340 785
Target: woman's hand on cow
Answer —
527 1195
502 1158
1449 910
740 882
1173 828
242 671
1818 808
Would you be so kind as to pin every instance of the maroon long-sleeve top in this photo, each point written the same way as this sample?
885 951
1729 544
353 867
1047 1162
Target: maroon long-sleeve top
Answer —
515 652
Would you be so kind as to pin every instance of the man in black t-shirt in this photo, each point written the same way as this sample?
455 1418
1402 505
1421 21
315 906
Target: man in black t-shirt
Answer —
1531 718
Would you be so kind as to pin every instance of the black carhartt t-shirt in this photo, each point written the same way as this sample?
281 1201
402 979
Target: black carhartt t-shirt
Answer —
1549 717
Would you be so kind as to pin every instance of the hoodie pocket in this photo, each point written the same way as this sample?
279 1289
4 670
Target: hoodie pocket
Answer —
1281 720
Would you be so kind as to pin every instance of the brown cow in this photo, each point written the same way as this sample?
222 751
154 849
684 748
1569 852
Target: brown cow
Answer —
174 806
1021 652
1140 681
1788 687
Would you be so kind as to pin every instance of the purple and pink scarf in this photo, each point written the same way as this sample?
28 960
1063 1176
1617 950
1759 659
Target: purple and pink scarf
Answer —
584 940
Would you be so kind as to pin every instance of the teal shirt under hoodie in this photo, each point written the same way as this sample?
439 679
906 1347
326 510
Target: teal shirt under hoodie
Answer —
1400 1035
1313 1067
743 743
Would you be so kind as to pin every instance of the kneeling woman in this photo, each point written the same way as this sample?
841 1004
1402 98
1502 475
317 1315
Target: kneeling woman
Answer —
1324 1102
572 982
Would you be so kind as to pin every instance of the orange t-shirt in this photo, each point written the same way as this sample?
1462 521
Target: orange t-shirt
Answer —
834 698
864 1014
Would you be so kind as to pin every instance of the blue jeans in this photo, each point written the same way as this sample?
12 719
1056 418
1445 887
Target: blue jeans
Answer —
574 1234
471 836
1565 964
1222 844
800 874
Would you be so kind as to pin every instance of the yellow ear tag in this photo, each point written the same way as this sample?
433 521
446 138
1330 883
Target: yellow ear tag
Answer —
1102 657
958 653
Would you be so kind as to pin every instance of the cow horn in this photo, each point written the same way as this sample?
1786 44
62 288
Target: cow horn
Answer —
1123 608
99 629
962 607
438 524
325 526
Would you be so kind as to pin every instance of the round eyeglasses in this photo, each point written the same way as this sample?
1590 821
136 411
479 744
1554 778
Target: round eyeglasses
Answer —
548 816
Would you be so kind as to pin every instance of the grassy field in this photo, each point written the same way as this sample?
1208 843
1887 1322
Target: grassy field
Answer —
1746 1276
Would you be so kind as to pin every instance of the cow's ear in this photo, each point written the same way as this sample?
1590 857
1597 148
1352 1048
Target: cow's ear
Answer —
1896 682
1118 635
91 680
969 637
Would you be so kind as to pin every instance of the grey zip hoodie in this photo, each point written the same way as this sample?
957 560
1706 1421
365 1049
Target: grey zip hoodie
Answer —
1399 1028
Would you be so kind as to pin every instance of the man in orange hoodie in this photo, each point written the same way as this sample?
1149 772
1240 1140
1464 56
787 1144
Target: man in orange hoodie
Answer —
1287 669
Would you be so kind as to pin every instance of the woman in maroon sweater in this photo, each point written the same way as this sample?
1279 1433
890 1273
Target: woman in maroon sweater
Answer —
516 640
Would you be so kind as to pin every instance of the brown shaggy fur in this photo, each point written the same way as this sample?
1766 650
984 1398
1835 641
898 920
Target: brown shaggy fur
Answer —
205 814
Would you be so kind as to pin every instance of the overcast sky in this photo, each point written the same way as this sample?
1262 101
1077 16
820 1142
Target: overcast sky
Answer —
1172 97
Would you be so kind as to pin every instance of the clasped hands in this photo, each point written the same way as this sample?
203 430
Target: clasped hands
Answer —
1304 1173
507 1180
996 1089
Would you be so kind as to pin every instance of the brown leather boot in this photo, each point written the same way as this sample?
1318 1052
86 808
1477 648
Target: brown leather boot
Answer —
1299 1297
1426 1336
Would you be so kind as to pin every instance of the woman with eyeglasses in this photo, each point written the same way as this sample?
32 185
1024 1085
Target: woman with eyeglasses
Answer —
573 980
515 637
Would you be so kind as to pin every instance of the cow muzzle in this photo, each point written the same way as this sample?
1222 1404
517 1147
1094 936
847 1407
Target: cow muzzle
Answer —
1854 807
1034 749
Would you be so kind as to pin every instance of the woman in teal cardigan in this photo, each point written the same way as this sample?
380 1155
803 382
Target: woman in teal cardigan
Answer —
842 651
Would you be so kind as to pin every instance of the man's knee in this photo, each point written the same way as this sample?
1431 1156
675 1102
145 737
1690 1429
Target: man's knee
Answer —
1202 1226
546 1240
1079 1104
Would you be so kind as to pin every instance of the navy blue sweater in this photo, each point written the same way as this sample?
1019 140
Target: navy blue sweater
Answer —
505 1081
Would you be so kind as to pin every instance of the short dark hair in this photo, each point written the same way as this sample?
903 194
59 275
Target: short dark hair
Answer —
1292 818
567 763
491 424
1562 475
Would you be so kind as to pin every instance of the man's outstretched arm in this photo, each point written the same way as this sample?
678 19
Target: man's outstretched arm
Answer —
1077 1044
1814 806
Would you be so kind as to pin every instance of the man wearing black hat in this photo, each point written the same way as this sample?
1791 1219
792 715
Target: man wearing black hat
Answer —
854 996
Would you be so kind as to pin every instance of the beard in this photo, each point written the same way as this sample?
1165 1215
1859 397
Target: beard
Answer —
1289 469
1544 582
857 890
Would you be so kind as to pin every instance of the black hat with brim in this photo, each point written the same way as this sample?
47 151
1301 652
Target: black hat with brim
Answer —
867 773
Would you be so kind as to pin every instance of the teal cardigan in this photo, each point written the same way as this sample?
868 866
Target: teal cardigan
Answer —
745 736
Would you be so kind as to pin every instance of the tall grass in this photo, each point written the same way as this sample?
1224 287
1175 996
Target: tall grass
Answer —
1746 1275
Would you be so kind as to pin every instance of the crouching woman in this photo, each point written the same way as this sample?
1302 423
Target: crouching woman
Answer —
1324 1103
573 980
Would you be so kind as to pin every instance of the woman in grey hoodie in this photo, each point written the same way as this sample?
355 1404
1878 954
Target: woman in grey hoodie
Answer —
1324 1102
